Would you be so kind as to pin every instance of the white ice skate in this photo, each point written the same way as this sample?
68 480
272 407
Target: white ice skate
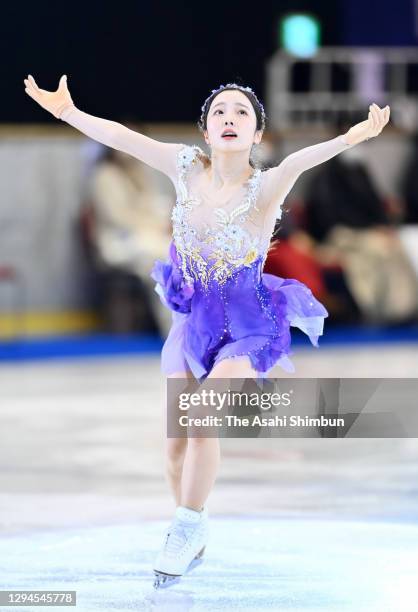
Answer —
184 544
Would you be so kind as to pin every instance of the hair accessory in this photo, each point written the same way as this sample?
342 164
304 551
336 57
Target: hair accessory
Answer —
240 88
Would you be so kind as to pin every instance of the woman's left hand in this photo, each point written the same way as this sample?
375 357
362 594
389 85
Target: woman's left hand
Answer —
374 124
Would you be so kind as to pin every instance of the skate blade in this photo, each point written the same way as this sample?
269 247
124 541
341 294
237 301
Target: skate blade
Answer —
162 580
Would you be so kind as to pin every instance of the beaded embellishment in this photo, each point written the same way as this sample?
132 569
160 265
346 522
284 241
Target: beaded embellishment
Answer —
231 245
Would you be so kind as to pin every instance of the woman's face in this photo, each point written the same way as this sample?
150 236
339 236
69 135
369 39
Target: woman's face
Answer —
231 111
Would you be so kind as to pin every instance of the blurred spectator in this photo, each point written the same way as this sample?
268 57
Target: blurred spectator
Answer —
345 214
342 192
130 228
292 254
408 192
409 185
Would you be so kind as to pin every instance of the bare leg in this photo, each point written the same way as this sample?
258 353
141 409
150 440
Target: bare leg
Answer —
202 459
175 452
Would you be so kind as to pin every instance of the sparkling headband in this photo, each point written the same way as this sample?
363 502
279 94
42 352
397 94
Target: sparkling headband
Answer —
232 86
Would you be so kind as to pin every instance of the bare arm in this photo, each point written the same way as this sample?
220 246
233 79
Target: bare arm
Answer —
158 155
280 180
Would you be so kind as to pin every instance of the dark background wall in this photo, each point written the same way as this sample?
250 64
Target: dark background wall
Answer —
158 60
153 61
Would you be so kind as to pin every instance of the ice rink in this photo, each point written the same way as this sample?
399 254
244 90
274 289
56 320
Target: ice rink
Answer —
296 524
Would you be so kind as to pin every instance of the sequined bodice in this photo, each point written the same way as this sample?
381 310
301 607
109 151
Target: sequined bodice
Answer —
214 242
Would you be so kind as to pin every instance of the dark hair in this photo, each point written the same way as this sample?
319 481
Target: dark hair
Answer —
247 91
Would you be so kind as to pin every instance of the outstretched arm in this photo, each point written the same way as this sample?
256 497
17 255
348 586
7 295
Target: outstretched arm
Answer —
158 155
280 180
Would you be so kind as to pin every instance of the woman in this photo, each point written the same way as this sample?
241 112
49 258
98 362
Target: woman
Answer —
229 319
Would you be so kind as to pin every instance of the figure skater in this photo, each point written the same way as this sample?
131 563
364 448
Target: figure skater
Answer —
229 319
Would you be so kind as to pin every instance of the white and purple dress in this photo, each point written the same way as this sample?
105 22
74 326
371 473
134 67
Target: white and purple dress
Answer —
222 303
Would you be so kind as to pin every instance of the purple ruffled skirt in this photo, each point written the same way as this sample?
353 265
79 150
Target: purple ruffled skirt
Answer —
249 314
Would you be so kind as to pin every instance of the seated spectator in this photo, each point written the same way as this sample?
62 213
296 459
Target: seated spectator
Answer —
130 229
293 254
345 214
409 185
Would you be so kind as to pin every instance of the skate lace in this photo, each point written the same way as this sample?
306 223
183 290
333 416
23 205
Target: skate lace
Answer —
176 539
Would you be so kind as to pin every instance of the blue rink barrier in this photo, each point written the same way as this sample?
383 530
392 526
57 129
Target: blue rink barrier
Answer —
94 345
102 344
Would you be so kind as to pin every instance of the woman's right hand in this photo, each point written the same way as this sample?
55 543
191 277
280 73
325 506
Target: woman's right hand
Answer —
52 101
